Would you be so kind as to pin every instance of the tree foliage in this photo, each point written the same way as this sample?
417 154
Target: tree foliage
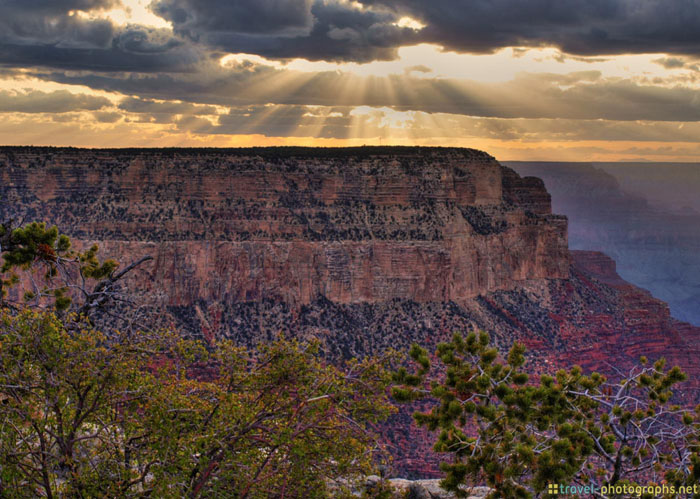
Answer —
53 274
518 433
88 415
92 413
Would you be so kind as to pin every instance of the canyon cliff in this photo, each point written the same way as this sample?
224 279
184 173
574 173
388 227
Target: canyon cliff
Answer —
420 225
365 248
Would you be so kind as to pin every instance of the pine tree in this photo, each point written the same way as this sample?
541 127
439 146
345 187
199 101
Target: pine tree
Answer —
518 433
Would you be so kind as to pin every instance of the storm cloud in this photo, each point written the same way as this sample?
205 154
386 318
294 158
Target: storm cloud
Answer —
55 34
48 33
55 22
337 30
583 27
255 17
280 29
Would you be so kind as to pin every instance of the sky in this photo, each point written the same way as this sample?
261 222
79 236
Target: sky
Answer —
557 80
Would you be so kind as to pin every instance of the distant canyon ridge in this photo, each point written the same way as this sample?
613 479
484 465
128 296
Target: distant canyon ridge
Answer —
364 248
644 215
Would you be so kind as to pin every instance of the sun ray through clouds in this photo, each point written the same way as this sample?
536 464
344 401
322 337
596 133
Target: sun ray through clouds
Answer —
144 71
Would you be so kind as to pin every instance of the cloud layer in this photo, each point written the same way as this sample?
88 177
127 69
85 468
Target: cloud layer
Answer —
581 95
60 101
338 30
65 34
70 62
70 33
584 27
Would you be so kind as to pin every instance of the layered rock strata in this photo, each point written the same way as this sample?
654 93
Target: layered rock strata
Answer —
290 225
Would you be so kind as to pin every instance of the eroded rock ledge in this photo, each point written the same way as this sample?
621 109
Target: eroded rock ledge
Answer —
352 225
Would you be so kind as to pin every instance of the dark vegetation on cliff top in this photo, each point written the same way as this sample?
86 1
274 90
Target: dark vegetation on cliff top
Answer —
280 152
298 207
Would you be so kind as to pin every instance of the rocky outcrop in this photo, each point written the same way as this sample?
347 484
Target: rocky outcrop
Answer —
399 488
247 225
422 489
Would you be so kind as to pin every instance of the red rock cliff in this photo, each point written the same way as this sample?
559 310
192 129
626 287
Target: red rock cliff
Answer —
424 225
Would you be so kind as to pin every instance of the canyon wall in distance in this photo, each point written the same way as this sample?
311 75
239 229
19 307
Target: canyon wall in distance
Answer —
645 216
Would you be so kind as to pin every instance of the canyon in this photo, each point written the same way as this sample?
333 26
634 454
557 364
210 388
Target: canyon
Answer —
366 249
642 215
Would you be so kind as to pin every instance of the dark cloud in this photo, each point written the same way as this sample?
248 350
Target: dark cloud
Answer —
58 6
129 51
583 27
107 116
278 29
48 33
54 23
60 101
671 62
195 17
116 58
338 31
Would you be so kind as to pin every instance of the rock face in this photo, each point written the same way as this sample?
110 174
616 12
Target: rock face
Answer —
364 248
244 226
643 323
